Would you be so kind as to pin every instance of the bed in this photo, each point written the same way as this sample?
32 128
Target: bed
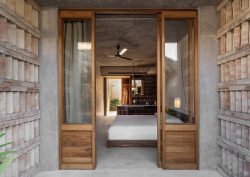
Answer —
135 130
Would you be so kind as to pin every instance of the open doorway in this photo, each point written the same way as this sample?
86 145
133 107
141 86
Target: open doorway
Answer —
127 133
132 46
116 93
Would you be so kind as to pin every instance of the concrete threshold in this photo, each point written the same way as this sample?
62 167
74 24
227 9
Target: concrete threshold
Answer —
130 173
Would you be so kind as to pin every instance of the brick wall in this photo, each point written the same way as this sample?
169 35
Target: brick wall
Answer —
234 87
19 84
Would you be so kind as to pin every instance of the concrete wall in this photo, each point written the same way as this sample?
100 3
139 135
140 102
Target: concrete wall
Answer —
208 79
48 99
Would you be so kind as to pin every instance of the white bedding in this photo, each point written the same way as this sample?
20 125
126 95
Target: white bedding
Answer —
136 127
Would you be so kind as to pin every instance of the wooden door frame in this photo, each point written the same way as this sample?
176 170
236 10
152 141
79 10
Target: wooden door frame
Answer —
76 15
178 15
172 13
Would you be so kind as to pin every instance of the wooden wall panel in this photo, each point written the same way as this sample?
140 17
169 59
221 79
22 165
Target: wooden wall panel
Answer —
234 139
180 150
3 29
20 7
19 86
76 149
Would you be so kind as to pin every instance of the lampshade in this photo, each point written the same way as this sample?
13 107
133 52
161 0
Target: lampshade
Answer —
177 102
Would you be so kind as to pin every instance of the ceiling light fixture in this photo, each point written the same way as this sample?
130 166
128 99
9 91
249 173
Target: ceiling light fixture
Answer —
123 51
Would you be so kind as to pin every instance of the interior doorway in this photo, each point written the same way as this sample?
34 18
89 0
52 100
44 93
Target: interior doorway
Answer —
176 142
116 92
126 57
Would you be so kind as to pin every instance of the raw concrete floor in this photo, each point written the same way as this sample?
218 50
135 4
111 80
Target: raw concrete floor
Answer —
125 162
121 158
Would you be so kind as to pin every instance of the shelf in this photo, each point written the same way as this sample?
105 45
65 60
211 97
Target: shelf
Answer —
14 116
239 115
18 86
18 118
240 18
232 83
19 21
34 5
235 148
20 54
234 54
236 120
221 4
19 83
235 87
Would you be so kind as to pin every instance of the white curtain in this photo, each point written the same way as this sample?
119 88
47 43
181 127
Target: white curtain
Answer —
77 72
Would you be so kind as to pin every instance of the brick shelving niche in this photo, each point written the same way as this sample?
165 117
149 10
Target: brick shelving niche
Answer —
234 87
19 84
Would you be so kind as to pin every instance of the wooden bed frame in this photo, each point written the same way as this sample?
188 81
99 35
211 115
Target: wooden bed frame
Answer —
131 143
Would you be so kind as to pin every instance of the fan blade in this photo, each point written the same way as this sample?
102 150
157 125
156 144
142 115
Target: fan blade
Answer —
111 56
125 58
123 51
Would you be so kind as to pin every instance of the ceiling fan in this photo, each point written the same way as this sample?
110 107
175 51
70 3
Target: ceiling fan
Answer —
120 53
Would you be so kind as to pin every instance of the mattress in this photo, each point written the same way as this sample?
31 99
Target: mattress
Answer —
133 127
136 127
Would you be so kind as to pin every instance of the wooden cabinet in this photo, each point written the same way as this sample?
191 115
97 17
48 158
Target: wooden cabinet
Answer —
136 110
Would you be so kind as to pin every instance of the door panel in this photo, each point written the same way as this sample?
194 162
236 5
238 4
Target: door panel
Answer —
180 147
76 66
76 147
179 89
159 121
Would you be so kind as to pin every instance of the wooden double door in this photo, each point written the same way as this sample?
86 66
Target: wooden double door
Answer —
177 88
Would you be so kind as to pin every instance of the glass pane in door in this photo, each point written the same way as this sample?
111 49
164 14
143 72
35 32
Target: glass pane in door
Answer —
179 71
77 71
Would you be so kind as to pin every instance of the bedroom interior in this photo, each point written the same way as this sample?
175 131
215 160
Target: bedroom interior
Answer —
135 124
137 73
